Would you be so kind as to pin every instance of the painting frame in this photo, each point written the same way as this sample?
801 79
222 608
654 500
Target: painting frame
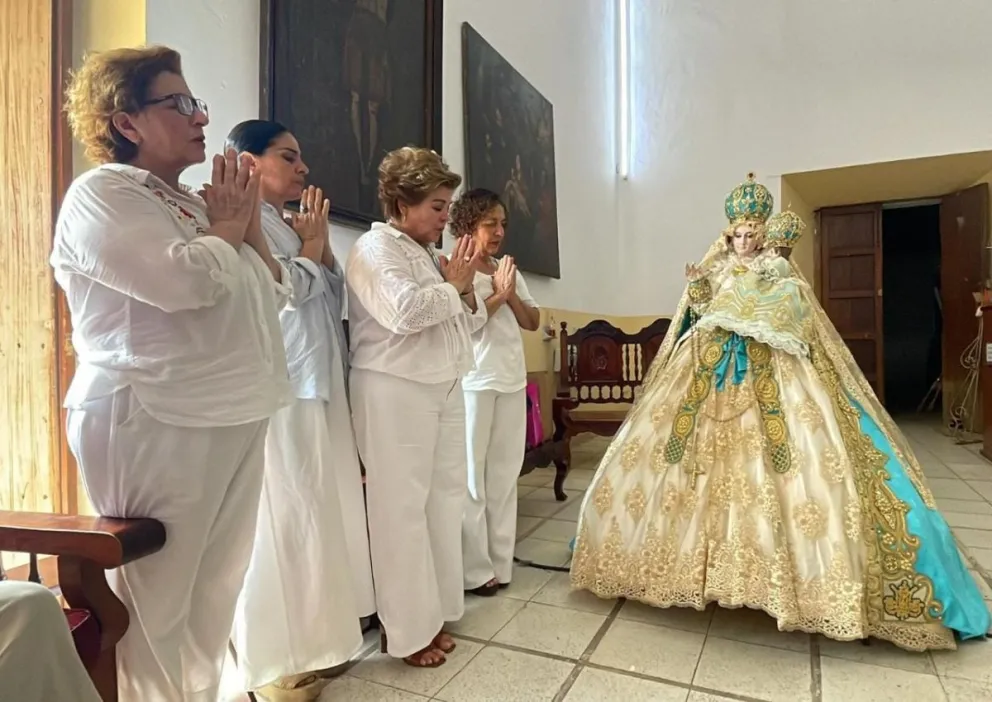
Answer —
269 79
509 141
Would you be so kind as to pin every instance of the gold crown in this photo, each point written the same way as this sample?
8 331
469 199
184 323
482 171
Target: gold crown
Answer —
784 229
750 202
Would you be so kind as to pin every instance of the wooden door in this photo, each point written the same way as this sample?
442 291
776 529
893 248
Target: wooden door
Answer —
964 225
851 288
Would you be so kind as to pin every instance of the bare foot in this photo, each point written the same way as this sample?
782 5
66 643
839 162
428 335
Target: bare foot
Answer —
428 657
444 642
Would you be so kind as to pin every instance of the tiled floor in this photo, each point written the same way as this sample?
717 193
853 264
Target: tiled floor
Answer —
538 641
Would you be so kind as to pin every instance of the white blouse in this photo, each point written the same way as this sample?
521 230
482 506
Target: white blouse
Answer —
311 321
184 319
403 318
499 346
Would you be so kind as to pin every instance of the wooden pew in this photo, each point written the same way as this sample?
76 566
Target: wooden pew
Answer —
86 547
602 368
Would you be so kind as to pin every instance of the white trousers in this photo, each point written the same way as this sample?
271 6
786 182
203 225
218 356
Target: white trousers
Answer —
347 470
411 437
297 611
38 661
496 433
203 484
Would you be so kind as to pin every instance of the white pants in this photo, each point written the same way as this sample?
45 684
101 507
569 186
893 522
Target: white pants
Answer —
203 484
297 611
411 437
348 472
496 433
38 661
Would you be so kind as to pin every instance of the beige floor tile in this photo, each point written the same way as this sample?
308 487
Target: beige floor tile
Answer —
525 490
847 681
982 487
983 556
974 506
595 685
974 538
879 653
552 553
535 507
499 675
650 650
555 630
526 525
571 512
969 521
982 585
357 690
556 530
756 627
697 696
977 470
972 661
547 494
538 477
391 672
682 618
526 583
484 616
952 488
579 479
938 470
755 671
966 690
559 593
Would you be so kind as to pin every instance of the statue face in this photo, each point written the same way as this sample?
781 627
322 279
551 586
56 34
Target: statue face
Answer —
745 240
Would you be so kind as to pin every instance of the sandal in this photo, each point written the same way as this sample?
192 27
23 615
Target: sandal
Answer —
486 590
427 657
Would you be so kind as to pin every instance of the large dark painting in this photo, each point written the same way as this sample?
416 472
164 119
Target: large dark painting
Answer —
510 148
352 79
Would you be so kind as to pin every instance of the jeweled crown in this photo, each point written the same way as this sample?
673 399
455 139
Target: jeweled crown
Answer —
749 203
784 229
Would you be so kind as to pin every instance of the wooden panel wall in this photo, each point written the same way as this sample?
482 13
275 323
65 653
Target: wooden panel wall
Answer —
30 475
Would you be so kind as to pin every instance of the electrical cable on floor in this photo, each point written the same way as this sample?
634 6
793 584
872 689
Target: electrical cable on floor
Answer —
557 569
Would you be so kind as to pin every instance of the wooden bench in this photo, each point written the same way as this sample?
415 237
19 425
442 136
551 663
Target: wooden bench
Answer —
602 368
86 547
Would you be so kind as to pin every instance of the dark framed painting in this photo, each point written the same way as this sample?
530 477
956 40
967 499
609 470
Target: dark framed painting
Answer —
353 80
510 149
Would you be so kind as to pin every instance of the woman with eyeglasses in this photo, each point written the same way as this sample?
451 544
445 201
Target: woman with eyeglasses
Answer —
174 299
311 557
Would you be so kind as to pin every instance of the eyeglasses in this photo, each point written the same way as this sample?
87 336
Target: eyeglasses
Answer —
185 104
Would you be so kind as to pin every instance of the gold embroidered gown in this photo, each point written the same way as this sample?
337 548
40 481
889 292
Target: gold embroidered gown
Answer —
758 469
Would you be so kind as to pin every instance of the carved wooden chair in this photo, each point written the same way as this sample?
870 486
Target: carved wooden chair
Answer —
86 547
602 368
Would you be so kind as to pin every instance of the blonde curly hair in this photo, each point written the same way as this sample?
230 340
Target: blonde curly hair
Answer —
408 175
109 82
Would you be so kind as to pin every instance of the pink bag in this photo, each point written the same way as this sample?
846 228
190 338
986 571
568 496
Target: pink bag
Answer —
535 426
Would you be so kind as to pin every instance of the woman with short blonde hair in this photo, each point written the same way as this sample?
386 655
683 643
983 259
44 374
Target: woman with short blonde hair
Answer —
174 301
411 314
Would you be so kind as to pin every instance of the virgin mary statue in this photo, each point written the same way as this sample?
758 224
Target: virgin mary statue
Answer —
757 468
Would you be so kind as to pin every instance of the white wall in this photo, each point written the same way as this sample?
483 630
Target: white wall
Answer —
563 47
722 87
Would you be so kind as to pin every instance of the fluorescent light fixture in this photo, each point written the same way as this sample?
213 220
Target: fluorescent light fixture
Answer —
623 88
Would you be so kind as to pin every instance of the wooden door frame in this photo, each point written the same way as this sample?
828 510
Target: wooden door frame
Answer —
66 479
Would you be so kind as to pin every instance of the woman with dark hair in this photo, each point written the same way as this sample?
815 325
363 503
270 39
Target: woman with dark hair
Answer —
411 313
174 300
311 557
495 399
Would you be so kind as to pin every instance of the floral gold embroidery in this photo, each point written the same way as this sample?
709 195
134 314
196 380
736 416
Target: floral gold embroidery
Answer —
811 519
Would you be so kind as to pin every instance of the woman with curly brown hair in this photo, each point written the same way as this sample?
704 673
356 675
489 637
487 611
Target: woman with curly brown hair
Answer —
495 400
411 314
174 300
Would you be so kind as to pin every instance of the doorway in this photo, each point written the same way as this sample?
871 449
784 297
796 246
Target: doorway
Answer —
878 267
911 308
